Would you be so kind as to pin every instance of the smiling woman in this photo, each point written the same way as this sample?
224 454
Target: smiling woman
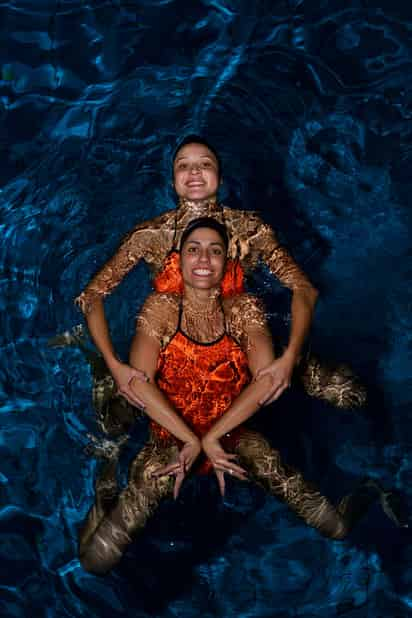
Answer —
196 172
200 352
196 177
204 259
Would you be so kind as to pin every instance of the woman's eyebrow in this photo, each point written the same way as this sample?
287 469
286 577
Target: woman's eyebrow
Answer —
197 242
201 156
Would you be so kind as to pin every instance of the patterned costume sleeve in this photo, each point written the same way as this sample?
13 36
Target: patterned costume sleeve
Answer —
247 317
279 260
144 241
158 317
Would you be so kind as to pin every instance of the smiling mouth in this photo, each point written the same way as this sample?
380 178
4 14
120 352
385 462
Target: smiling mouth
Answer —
202 272
195 184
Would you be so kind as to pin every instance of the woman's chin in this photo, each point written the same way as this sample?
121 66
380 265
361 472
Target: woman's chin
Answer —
203 283
198 195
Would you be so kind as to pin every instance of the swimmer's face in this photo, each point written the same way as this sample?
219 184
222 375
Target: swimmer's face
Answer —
203 259
195 173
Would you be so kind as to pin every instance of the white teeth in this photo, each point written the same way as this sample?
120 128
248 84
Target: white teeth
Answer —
202 271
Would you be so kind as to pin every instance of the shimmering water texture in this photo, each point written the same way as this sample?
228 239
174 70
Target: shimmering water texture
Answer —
310 105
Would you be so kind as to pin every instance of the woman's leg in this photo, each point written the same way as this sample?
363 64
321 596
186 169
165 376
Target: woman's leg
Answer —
103 541
114 415
106 495
335 384
302 497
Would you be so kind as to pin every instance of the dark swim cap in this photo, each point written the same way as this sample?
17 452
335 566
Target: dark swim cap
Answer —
197 139
209 223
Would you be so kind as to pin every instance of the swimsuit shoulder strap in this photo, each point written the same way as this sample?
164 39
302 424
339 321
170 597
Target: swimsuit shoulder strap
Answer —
224 315
180 316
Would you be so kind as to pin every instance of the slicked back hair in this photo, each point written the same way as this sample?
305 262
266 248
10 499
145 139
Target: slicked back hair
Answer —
198 139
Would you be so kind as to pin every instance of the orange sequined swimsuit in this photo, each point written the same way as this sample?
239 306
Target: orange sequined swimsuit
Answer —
201 380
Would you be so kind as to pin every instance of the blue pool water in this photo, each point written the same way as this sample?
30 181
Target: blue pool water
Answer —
310 106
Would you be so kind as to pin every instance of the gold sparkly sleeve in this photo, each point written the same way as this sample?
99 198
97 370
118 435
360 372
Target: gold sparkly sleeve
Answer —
279 260
144 241
127 256
158 317
247 322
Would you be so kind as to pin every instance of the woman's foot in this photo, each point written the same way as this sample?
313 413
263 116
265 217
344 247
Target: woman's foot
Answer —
395 508
393 504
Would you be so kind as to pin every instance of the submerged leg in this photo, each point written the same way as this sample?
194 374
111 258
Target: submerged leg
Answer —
335 384
102 549
75 337
302 497
114 415
106 489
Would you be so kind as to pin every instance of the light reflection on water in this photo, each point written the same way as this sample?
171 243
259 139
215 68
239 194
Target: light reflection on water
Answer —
93 99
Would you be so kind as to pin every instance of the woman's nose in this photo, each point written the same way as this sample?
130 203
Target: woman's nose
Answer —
194 168
204 255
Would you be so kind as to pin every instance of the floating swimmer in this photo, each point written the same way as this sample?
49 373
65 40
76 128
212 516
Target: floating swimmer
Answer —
196 178
201 349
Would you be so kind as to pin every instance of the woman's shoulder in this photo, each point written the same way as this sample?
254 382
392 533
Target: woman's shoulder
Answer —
159 315
235 216
244 315
239 302
159 224
162 301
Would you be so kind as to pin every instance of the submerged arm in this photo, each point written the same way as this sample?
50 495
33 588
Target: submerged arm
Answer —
144 354
258 343
250 327
137 244
304 297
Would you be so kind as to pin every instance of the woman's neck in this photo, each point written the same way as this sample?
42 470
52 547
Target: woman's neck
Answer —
202 317
207 204
202 301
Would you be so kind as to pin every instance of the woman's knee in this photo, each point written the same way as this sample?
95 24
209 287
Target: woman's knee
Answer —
99 556
92 563
104 549
334 384
339 533
333 527
252 446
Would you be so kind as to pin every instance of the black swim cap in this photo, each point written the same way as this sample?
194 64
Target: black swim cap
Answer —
197 139
207 222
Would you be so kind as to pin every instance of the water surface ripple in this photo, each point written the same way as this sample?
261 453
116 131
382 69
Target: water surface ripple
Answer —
310 105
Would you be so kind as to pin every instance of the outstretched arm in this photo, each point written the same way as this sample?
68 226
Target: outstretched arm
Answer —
144 354
121 372
257 340
139 243
304 297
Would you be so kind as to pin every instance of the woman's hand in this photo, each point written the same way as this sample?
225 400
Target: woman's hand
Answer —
279 375
186 458
123 375
222 462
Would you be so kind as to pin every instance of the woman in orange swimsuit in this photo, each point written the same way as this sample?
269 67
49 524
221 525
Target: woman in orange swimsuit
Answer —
196 177
200 343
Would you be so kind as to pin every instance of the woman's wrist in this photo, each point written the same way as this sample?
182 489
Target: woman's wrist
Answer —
113 362
194 440
209 438
292 355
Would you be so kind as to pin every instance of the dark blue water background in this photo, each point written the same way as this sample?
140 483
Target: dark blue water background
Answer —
310 106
